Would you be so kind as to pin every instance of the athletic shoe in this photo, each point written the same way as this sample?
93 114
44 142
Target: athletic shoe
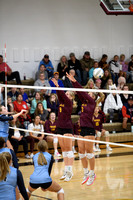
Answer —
86 177
69 175
63 176
57 154
108 148
98 149
31 155
27 156
91 179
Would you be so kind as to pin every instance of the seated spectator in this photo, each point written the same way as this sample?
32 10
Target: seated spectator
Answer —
60 83
124 64
41 112
33 137
98 126
16 137
121 83
43 83
10 75
48 64
90 84
19 104
24 95
115 68
127 112
103 62
13 93
67 83
112 104
105 78
124 97
53 103
2 102
38 98
62 67
109 84
130 67
74 63
95 65
86 64
97 84
50 127
10 106
43 70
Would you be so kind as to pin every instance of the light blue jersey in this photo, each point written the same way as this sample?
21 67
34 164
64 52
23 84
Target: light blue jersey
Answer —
7 187
5 150
41 173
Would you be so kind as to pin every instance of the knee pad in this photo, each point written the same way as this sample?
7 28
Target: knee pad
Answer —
55 140
73 139
60 191
90 155
98 134
70 154
106 134
81 155
64 154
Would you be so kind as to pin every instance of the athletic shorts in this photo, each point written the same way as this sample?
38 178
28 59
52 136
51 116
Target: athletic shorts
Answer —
42 185
86 131
63 131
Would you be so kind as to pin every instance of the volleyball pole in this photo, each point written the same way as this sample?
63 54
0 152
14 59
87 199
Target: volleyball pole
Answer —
5 78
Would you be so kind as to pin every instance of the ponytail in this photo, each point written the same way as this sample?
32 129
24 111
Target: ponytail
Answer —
4 167
41 159
42 147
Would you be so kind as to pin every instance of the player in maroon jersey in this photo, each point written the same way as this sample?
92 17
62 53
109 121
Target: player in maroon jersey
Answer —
50 127
64 127
87 132
98 120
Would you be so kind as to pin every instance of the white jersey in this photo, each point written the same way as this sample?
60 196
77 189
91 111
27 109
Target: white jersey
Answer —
34 127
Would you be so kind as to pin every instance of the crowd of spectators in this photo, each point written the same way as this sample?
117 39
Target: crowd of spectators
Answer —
117 73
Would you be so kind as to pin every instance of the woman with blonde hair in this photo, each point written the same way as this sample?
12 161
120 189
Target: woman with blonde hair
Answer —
62 66
90 84
10 177
40 178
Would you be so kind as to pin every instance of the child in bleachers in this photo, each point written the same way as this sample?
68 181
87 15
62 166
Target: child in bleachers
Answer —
98 121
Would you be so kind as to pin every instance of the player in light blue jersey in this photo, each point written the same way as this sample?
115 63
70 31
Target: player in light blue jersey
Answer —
43 162
10 177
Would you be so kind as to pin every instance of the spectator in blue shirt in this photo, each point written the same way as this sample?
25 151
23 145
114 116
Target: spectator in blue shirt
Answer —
92 69
48 64
60 83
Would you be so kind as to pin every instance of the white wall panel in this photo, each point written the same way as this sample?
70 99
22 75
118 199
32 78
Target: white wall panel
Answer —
58 27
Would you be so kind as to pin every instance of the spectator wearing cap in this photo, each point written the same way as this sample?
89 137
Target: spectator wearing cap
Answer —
48 64
86 64
74 63
10 75
60 83
113 104
127 112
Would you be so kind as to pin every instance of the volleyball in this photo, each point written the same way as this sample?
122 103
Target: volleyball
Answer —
98 73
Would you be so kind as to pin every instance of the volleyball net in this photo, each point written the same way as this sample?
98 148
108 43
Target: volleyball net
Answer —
112 121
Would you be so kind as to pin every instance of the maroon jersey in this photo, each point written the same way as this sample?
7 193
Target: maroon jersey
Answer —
64 111
50 127
87 107
98 122
76 128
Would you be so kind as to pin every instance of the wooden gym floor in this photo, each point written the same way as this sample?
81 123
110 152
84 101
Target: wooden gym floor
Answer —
114 177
